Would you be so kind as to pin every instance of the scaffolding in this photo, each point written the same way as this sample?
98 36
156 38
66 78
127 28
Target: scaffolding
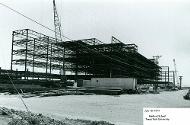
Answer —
89 57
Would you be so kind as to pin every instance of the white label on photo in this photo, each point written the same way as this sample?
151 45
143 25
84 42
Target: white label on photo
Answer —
166 116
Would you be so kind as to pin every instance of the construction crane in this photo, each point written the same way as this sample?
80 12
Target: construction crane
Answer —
57 24
58 33
176 74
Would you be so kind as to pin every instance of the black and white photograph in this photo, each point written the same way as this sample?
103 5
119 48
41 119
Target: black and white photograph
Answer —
94 62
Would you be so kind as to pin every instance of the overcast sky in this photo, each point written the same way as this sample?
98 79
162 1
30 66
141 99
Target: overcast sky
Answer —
158 27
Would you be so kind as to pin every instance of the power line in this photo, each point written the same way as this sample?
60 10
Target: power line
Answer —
30 19
69 38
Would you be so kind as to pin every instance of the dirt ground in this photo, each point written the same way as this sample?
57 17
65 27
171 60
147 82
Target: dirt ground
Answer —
120 110
14 117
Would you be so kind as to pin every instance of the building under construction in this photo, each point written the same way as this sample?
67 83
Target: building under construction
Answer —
37 55
40 59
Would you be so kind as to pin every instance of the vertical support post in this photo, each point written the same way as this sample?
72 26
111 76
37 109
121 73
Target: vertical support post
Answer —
174 78
180 82
63 62
27 74
165 78
76 70
50 59
47 58
26 44
161 75
168 75
12 51
63 66
93 70
34 47
85 73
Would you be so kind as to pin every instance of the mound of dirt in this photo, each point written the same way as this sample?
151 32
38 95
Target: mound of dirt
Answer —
28 118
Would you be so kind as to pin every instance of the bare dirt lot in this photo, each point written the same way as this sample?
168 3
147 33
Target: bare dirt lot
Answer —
120 110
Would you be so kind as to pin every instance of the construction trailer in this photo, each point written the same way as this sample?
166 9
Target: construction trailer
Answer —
34 53
111 83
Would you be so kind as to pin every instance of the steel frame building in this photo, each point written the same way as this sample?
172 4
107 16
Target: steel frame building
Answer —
89 57
35 50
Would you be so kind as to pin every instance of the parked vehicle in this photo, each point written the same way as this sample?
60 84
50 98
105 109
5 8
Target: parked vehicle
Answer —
187 96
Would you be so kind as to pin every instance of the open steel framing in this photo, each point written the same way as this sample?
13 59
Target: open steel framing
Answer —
82 57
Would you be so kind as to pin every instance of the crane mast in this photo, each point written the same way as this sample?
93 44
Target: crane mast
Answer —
58 35
57 24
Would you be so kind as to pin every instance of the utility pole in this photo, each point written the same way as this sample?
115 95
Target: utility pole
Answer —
176 75
180 81
174 78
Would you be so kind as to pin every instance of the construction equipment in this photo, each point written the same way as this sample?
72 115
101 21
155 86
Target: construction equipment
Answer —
57 24
58 35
